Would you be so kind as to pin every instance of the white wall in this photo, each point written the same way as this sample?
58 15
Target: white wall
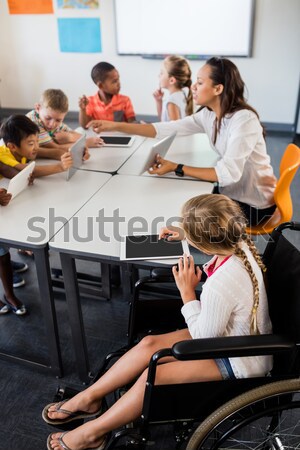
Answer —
30 60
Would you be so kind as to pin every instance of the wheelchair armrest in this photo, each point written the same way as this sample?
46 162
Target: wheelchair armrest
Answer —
231 346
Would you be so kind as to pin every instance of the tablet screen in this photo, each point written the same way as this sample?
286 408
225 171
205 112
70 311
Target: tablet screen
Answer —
116 140
150 247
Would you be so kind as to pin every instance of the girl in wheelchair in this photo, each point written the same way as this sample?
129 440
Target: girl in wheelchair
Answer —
233 302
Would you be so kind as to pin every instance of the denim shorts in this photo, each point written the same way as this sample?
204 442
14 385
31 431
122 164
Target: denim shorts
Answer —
225 368
4 251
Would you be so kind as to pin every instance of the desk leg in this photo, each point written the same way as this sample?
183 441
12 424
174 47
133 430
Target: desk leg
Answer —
48 308
75 316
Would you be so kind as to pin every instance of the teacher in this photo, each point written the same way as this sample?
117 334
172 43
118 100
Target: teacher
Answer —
243 171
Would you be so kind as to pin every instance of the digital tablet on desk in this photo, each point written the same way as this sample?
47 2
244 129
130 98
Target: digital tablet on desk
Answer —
77 151
160 147
117 141
20 181
150 247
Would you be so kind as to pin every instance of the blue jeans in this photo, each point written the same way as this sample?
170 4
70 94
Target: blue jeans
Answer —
225 368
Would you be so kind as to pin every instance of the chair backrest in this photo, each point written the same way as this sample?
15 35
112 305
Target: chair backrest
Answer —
288 167
283 288
289 164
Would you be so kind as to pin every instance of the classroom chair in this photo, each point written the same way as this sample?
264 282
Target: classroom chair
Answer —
284 207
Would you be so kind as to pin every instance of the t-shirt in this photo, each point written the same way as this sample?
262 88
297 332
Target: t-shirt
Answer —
178 98
45 136
119 109
6 157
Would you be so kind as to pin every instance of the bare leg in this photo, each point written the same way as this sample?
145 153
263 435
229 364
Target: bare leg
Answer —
6 275
126 369
129 406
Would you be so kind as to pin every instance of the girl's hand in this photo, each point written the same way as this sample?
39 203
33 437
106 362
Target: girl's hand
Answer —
158 95
4 197
162 166
171 233
83 102
94 141
66 161
86 154
101 125
186 278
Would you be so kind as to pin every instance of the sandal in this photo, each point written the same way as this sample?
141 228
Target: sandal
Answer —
72 415
65 447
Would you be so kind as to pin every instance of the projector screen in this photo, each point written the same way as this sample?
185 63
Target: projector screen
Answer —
196 29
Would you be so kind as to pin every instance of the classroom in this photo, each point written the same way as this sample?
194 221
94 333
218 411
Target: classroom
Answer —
148 150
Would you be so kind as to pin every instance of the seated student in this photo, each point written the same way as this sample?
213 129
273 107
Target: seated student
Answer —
18 267
174 99
20 136
12 303
233 303
243 170
107 103
55 136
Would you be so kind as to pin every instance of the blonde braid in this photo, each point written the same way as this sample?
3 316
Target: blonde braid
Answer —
253 323
254 252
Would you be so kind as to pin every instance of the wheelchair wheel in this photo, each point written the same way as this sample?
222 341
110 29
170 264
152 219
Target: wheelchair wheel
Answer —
265 418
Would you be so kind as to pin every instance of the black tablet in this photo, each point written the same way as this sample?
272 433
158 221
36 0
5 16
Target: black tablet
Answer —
150 247
117 141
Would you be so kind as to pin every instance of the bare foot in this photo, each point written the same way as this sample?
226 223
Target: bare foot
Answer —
83 437
78 403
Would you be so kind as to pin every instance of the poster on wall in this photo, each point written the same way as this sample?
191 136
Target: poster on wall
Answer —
71 32
32 7
79 4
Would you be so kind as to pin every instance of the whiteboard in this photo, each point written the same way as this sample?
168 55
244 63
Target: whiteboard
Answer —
194 28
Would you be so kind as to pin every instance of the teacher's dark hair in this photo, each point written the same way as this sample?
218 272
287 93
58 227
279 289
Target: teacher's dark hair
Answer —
232 99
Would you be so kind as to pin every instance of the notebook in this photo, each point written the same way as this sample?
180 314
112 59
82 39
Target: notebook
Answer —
150 247
117 141
20 182
77 151
160 147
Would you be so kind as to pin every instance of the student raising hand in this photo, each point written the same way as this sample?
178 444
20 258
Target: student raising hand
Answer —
83 102
4 197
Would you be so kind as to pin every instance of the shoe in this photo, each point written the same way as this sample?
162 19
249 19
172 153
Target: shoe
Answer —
4 309
72 415
18 281
18 310
26 252
65 447
19 267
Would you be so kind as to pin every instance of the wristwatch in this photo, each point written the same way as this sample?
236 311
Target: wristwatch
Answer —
178 171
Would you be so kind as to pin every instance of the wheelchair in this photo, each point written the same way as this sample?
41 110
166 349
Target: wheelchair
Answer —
251 413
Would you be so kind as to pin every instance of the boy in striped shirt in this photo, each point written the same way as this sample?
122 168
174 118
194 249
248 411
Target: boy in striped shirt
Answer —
55 137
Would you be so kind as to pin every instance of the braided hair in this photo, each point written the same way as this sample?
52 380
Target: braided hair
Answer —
178 67
214 223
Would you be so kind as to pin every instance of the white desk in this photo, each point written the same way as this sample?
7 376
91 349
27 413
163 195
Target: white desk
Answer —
30 220
109 159
146 201
193 150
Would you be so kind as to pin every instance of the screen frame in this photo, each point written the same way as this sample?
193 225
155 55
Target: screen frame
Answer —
199 56
123 256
